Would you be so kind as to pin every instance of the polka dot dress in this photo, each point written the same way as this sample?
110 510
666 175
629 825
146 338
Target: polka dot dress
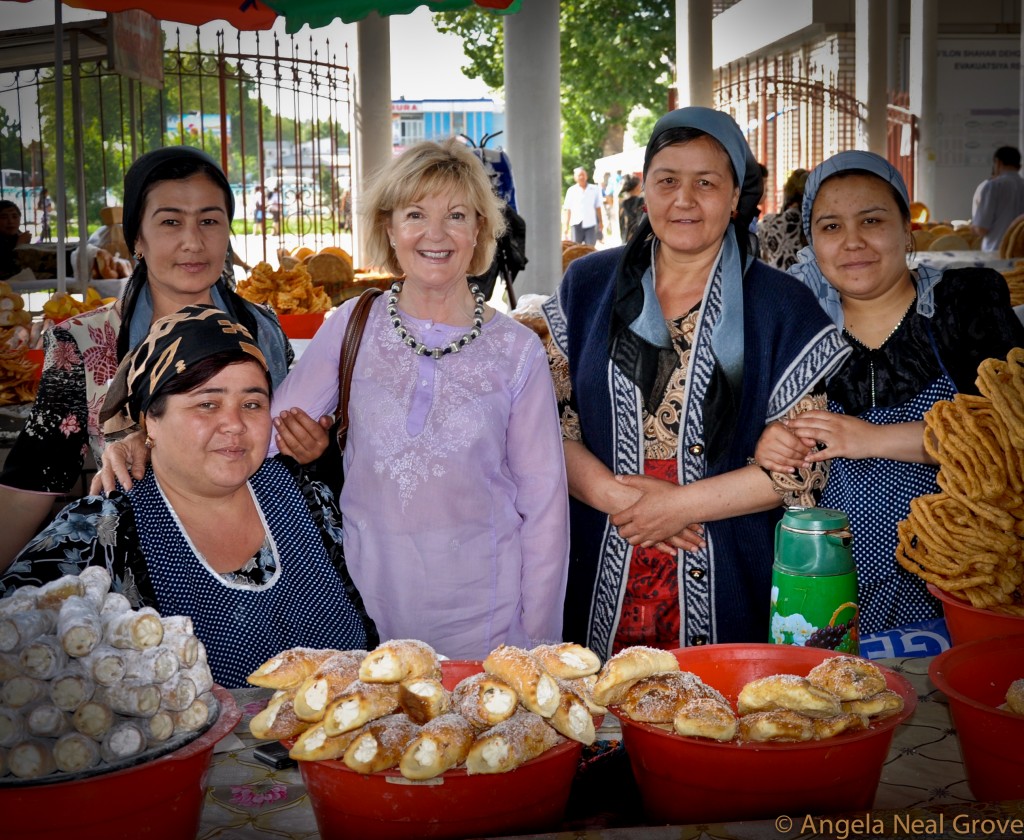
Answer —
304 604
875 493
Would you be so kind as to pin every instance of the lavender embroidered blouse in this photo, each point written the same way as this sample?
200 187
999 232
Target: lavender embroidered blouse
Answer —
455 505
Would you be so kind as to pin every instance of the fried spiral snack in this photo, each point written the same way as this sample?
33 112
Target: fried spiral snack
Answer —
966 539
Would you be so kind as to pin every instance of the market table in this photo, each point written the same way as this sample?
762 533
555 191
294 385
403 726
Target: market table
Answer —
961 259
923 791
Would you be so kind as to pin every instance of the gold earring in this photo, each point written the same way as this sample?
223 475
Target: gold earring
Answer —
138 256
150 443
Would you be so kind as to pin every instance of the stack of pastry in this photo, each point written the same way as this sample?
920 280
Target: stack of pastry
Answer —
387 708
86 681
842 694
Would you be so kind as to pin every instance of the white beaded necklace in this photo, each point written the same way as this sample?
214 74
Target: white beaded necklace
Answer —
420 348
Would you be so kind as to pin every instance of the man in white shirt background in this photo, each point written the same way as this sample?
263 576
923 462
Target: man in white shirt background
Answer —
582 208
1000 199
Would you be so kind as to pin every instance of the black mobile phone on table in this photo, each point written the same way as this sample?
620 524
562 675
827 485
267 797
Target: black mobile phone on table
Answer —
274 754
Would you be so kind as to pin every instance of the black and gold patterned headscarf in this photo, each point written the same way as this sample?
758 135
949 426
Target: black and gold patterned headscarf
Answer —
174 343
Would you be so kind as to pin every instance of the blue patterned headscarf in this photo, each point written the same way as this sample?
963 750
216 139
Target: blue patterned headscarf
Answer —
806 268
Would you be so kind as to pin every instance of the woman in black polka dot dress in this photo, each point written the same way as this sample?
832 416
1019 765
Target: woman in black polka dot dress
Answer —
917 338
216 531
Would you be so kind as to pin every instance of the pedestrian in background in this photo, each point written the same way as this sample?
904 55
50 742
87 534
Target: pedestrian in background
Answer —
582 207
1000 199
45 207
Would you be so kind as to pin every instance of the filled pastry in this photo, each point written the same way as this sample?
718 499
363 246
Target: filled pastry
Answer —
484 700
278 720
442 743
567 660
787 691
837 724
705 717
883 704
776 725
629 666
848 677
423 699
572 718
359 704
657 698
288 668
316 745
381 744
331 678
399 659
511 743
536 688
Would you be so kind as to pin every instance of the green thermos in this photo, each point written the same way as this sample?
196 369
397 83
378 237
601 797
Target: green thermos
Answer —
814 581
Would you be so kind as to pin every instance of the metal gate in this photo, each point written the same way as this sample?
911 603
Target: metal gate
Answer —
279 117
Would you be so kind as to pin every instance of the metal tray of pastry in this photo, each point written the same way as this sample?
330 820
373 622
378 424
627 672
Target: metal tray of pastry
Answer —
172 744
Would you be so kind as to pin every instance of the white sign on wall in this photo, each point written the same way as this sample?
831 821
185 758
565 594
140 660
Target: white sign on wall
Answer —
977 91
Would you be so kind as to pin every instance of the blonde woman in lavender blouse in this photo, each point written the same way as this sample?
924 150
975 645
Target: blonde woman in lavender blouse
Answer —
455 504
455 508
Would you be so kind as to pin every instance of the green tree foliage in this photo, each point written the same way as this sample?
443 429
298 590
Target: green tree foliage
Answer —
119 118
12 155
615 56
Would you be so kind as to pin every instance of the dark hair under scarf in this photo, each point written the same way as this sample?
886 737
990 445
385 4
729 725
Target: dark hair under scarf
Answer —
170 163
647 363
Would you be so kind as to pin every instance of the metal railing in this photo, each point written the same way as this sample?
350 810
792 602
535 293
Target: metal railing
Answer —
280 115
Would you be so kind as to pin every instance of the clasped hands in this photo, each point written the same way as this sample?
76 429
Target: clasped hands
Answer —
653 516
810 437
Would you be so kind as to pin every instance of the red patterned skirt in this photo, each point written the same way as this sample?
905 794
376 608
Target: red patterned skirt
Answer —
650 607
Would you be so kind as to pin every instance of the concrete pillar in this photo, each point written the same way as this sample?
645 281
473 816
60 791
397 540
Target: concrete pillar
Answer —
871 55
372 134
1020 111
533 134
892 40
83 267
924 36
694 61
60 193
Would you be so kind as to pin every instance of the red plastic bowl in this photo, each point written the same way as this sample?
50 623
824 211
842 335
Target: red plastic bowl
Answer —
974 676
692 780
966 623
304 325
387 806
159 800
37 356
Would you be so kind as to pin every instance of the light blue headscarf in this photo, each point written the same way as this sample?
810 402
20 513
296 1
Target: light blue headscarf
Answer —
807 270
727 339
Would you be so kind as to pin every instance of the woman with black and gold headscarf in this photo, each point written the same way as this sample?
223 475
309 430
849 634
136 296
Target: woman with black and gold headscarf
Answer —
214 530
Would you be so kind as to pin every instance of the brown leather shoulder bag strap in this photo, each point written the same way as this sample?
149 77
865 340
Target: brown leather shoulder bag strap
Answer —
347 359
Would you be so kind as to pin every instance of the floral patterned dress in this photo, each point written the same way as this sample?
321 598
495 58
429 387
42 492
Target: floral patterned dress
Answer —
81 358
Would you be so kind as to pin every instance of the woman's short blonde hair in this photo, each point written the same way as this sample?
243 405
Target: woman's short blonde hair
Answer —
430 168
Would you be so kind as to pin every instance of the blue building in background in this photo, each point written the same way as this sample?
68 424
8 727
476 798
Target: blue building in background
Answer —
413 120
